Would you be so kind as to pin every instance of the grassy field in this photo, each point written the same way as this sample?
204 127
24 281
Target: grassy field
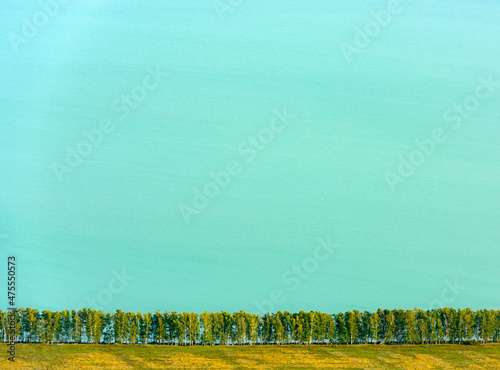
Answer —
64 356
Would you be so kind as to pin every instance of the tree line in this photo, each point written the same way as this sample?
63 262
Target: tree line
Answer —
443 325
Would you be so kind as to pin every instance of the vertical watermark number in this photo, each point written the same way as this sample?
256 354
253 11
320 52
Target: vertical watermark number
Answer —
11 316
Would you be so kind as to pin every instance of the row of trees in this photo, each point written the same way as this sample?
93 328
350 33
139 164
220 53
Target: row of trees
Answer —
444 325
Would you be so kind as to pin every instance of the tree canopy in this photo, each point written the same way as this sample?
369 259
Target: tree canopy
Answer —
443 325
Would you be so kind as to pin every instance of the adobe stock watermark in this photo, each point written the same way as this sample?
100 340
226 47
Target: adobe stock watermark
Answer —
294 276
32 26
248 149
364 36
105 296
448 294
76 154
455 116
223 6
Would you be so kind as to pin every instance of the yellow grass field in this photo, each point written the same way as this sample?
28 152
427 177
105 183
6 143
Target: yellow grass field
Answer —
92 356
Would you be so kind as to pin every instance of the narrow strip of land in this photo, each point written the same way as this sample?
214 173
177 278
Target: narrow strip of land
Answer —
94 356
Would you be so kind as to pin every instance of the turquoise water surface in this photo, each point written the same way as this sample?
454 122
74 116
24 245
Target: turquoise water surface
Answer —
187 155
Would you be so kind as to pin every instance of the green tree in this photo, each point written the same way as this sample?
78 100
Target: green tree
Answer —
240 327
298 328
207 325
119 326
267 335
133 325
436 327
388 327
327 322
486 324
279 327
160 325
193 328
31 325
352 320
252 327
108 333
364 332
410 320
342 335
374 326
423 325
466 323
3 326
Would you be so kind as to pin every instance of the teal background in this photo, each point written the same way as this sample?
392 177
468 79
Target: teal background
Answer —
324 175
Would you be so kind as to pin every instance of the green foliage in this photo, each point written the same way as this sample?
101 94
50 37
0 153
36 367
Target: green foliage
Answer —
444 325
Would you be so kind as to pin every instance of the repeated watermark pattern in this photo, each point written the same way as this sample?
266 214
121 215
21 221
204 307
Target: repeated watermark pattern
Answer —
364 36
448 294
76 154
105 296
293 277
248 149
32 26
453 117
223 6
